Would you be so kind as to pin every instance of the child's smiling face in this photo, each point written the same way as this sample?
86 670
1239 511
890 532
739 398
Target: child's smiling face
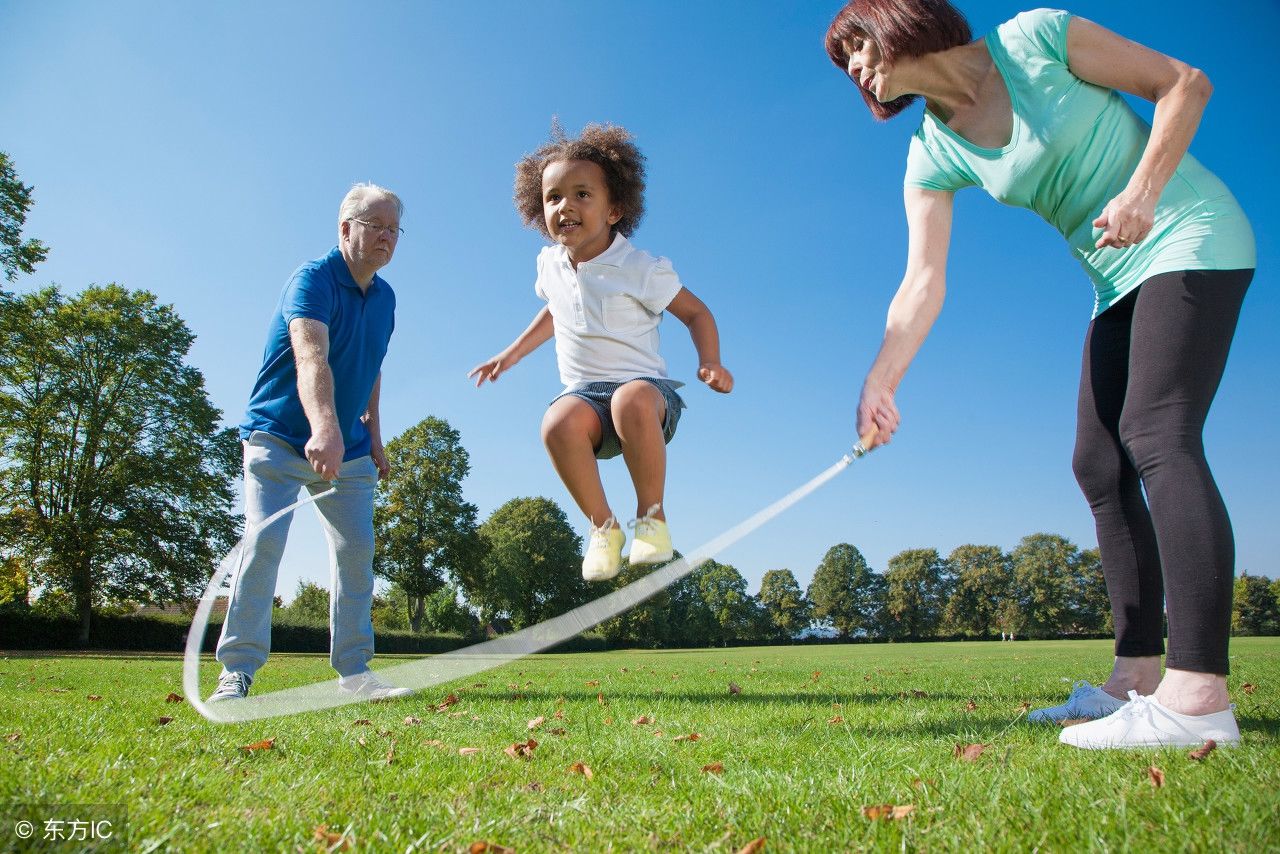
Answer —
577 208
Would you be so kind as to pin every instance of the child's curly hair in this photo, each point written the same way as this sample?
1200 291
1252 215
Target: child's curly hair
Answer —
609 147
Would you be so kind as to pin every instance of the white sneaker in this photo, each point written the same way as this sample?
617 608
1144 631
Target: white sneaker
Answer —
232 685
652 540
1085 701
370 687
603 559
1142 722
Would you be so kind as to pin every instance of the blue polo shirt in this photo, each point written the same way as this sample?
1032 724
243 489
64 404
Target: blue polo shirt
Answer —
360 326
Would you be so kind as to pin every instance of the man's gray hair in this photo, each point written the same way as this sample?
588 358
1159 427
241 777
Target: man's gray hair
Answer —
360 196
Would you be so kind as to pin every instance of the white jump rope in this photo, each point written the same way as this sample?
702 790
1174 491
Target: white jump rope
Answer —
486 655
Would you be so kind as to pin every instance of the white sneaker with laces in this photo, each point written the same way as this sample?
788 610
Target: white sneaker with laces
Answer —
652 540
603 559
1143 722
369 686
232 685
1085 701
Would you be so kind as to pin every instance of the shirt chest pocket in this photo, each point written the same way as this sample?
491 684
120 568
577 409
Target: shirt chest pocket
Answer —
621 313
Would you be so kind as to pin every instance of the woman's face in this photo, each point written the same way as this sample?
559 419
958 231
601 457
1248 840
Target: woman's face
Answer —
867 67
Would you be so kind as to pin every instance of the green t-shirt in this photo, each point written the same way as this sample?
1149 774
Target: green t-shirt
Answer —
1073 149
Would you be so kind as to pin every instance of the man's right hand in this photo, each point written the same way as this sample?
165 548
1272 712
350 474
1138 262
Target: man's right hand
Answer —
324 451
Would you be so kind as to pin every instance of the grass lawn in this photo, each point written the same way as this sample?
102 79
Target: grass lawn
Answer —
815 735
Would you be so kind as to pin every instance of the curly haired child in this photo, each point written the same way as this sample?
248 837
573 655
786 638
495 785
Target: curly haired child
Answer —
605 299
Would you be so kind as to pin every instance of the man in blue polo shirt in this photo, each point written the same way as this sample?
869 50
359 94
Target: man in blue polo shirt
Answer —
313 423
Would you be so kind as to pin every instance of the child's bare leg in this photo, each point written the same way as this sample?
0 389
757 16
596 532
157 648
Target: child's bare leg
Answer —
638 412
571 430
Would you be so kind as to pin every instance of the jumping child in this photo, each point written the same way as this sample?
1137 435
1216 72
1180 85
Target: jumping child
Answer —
605 299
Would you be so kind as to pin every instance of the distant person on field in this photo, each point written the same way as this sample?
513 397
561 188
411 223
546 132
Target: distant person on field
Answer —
605 299
313 423
1032 113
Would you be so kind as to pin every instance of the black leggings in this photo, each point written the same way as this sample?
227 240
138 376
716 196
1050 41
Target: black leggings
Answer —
1152 364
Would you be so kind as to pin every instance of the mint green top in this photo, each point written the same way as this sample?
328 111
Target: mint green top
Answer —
1073 149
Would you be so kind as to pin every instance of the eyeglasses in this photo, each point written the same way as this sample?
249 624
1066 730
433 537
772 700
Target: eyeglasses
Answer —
393 231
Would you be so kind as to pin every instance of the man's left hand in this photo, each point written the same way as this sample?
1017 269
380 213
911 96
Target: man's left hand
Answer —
379 455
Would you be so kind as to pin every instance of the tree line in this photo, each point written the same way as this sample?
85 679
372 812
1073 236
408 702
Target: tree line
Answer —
117 485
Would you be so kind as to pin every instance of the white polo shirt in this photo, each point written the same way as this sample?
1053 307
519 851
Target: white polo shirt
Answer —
607 311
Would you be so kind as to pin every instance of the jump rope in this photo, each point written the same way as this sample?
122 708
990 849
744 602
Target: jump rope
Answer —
486 655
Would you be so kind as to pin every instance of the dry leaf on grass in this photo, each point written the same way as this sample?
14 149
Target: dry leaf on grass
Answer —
391 753
95 696
410 720
164 719
969 752
693 736
890 812
448 701
622 670
970 706
713 768
921 784
173 698
734 688
816 674
329 839
521 750
434 742
836 720
557 731
592 683
755 846
1203 750
13 737
642 720
1024 706
559 715
482 847
468 751
362 741
581 768
536 722
362 722
265 744
1156 776
1248 687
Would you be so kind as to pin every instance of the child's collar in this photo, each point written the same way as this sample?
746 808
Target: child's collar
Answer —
611 257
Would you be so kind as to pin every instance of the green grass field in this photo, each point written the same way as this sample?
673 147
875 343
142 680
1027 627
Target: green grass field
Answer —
815 735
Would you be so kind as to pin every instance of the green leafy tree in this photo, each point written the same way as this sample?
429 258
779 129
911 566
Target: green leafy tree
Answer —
677 616
1254 607
115 478
725 591
424 532
445 612
916 588
1090 603
846 594
15 589
16 255
390 611
532 564
982 579
786 609
1046 569
310 604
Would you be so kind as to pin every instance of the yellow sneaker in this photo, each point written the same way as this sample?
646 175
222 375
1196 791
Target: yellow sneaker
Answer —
652 541
604 552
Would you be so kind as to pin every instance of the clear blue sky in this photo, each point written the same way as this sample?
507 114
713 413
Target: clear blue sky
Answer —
200 152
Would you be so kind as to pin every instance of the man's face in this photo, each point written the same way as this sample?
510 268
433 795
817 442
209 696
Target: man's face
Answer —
370 238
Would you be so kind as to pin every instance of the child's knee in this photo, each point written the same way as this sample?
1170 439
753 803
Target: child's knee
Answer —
568 424
638 402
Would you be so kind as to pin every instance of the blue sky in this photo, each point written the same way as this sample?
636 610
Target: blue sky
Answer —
201 152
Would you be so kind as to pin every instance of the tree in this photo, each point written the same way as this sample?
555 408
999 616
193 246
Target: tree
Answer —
734 609
115 479
1090 603
424 532
1254 609
676 616
982 579
532 564
16 255
1046 568
916 588
787 610
310 604
846 593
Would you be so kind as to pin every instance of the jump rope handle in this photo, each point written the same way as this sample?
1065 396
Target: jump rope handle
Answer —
861 449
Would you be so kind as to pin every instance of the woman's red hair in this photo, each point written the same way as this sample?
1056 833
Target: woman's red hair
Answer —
900 28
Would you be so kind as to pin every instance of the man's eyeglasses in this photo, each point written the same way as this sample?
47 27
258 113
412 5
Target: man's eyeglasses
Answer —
393 231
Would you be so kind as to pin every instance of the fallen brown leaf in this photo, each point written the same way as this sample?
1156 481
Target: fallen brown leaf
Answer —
362 741
328 839
468 751
970 706
1203 750
536 722
391 753
622 670
734 688
559 715
535 786
816 674
969 752
482 847
410 720
265 744
921 784
448 701
600 698
1156 776
836 720
581 768
362 722
592 683
173 698
164 719
1248 687
642 720
892 812
557 731
1024 706
755 846
713 768
13 737
693 736
95 696
521 750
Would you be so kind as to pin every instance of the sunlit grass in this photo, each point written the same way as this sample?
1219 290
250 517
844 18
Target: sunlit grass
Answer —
815 734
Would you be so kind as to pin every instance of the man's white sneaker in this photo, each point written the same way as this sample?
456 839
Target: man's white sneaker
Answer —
232 685
370 687
1085 701
1142 722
